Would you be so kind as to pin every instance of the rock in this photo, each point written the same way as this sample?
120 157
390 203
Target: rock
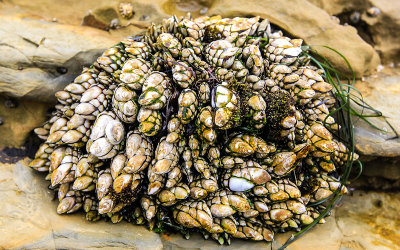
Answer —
29 219
316 28
20 121
381 28
382 92
369 220
376 29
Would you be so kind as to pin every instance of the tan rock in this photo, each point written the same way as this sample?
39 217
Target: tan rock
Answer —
381 91
20 121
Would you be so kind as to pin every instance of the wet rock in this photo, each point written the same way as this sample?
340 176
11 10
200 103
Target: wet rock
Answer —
18 122
29 219
316 28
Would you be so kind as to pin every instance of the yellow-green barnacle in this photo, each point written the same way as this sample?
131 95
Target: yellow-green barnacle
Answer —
191 28
134 72
253 231
197 46
204 93
234 30
244 145
226 106
204 168
283 211
280 190
225 203
321 140
170 196
92 102
205 125
193 214
90 206
64 172
252 58
200 187
125 104
156 181
324 187
135 49
174 177
112 59
156 91
86 173
256 111
175 130
245 177
308 217
214 156
169 43
183 74
149 207
189 154
139 151
71 203
283 50
152 32
41 162
187 103
106 137
127 182
166 157
237 73
318 111
200 67
283 75
228 224
150 121
221 53
73 91
343 154
283 163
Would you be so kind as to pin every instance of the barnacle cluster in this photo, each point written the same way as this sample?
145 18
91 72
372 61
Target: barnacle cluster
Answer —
217 125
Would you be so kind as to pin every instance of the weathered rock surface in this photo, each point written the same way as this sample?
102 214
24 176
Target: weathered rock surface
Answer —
382 92
29 220
378 30
18 122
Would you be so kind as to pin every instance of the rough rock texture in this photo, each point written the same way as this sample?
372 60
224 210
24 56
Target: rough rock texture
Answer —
19 122
381 91
363 221
379 30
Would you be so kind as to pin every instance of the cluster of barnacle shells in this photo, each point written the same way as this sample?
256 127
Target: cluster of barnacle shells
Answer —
211 124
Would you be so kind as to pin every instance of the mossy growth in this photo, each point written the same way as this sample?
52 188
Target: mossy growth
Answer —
279 106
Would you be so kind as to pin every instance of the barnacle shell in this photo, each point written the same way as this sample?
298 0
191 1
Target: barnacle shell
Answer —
218 124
